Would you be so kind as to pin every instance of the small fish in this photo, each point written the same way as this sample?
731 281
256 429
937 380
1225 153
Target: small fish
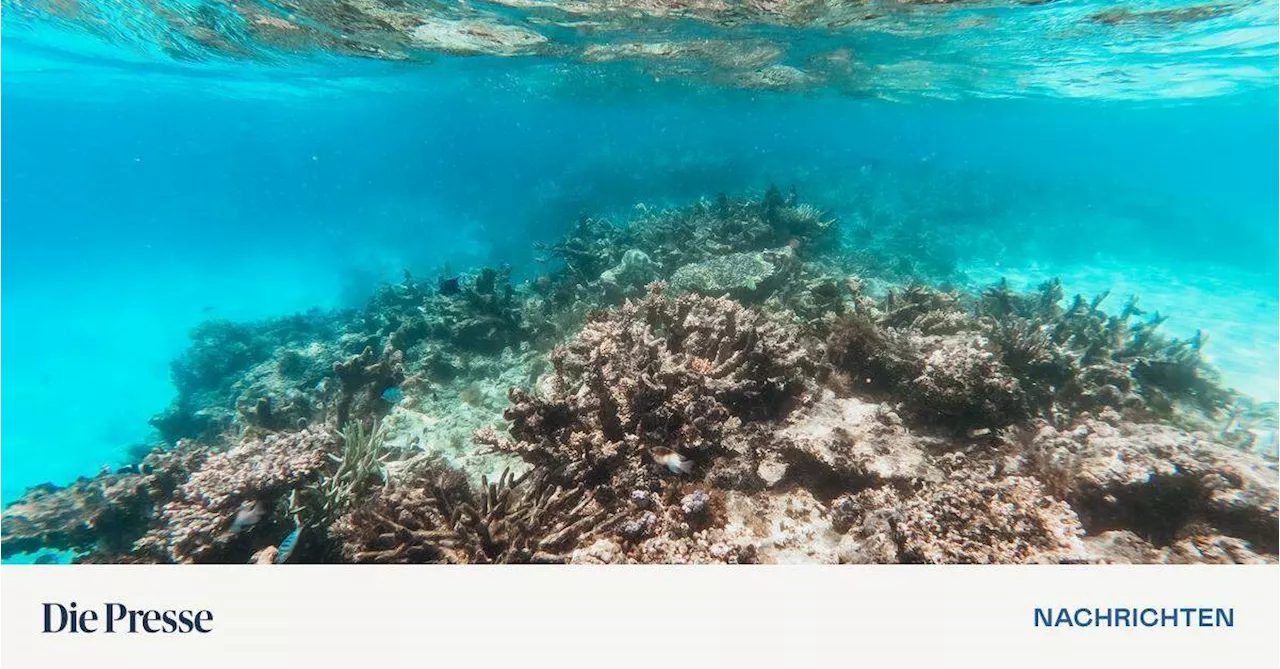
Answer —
392 395
451 285
247 516
678 464
46 558
287 545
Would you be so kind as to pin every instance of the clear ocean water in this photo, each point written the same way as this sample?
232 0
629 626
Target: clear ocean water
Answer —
167 163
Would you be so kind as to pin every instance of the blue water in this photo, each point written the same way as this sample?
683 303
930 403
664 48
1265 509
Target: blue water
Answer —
146 189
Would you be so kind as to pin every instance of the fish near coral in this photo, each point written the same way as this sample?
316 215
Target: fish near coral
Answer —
678 464
392 395
247 516
450 285
285 551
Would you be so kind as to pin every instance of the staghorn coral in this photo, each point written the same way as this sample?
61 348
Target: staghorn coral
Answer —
432 515
681 374
1005 357
1081 358
359 465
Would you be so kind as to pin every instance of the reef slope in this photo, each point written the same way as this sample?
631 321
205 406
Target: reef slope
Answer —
724 382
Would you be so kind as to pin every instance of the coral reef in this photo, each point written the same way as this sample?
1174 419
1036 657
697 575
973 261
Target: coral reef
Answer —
102 515
1081 357
987 362
432 515
1161 482
209 374
226 504
689 375
742 276
719 383
710 232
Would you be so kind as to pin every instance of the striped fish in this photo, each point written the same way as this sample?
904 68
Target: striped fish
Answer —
286 547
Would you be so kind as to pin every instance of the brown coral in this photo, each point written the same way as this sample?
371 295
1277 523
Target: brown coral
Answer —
683 374
972 519
103 515
197 525
435 517
1164 483
363 378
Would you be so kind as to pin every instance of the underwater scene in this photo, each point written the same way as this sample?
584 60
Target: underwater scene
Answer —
640 281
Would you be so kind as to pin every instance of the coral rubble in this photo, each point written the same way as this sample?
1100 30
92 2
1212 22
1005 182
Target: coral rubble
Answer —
725 382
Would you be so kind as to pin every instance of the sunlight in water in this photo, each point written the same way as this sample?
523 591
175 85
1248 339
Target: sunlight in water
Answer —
890 49
640 281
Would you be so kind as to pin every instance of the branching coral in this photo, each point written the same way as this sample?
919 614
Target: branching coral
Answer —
1008 356
676 374
1081 358
357 467
434 517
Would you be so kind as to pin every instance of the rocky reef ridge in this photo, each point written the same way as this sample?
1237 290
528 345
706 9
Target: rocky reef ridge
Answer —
723 382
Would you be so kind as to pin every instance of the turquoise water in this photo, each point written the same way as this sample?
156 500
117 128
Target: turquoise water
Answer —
169 163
